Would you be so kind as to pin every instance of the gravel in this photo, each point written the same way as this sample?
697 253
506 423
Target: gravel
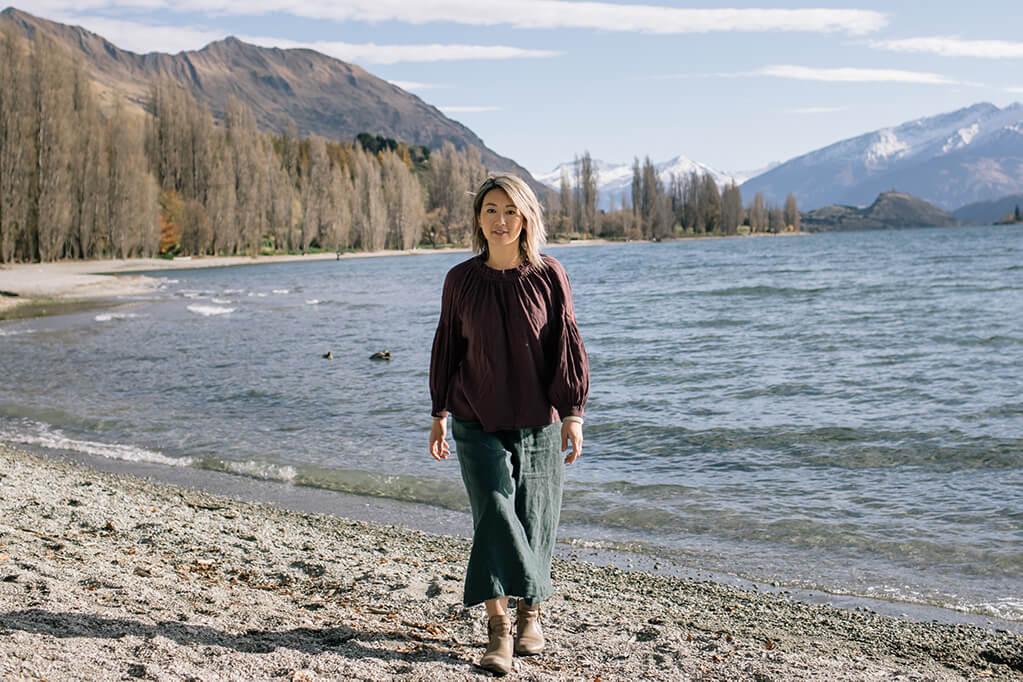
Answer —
113 577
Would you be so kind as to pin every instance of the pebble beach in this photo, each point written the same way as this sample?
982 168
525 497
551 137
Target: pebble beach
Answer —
113 576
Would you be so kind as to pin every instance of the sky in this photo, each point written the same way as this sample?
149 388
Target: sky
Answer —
543 81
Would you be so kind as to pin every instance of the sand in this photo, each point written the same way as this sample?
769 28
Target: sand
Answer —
111 576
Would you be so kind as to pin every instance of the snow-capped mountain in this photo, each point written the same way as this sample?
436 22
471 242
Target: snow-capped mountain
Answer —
951 159
615 179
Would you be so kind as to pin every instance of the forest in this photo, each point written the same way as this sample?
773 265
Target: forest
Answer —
78 181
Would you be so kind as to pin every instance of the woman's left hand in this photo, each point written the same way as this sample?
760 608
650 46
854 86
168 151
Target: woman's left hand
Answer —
572 431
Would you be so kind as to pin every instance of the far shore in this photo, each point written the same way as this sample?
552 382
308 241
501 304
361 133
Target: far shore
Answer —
36 289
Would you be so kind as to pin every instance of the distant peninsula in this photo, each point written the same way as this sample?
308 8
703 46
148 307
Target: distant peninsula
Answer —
890 211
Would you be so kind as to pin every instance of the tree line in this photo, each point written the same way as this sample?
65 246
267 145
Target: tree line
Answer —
689 204
76 182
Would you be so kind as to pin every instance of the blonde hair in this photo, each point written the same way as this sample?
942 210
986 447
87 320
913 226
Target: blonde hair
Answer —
534 234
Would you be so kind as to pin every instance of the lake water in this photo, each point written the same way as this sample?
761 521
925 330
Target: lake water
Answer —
838 411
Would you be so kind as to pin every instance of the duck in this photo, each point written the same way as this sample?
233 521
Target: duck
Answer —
328 355
381 355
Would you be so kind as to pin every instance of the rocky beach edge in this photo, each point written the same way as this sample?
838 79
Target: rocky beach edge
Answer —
112 576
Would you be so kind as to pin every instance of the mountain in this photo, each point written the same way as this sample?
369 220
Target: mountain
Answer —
615 179
322 95
988 212
969 155
891 210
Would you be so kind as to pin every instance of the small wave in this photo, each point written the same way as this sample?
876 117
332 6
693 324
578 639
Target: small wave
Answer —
258 294
765 291
107 317
280 291
262 470
41 435
313 301
221 301
15 332
208 310
1010 608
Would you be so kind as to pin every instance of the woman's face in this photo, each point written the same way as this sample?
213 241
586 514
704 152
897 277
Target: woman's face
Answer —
502 223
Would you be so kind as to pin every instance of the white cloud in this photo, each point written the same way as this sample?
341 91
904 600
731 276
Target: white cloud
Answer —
854 75
143 38
461 110
1015 90
540 14
947 46
816 110
371 53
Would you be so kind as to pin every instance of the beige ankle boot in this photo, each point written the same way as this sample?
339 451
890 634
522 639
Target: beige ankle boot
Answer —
528 635
498 658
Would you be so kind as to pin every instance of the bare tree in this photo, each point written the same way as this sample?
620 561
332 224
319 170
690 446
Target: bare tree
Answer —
17 145
403 197
732 212
369 214
587 192
222 200
89 167
132 191
758 214
710 204
775 220
791 212
54 139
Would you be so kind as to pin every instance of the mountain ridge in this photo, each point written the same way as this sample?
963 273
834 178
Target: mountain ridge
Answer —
972 154
321 94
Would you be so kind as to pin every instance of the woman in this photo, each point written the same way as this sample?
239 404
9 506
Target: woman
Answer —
507 363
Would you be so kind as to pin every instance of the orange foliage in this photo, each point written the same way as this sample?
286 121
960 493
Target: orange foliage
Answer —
172 210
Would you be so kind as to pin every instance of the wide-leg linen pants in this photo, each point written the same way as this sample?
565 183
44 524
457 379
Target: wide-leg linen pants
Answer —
514 480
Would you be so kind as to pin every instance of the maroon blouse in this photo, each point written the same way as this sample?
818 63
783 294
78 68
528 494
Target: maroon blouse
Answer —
507 352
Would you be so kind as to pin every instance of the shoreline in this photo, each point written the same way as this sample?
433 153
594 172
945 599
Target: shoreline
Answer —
38 289
106 575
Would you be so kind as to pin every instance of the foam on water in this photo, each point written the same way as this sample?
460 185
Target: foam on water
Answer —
108 317
262 470
43 435
280 291
313 301
16 332
209 310
221 301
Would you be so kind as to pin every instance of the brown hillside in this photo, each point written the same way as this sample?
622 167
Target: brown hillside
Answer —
322 95
891 210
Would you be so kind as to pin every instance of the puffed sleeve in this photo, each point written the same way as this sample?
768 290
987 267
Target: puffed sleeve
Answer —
570 380
448 347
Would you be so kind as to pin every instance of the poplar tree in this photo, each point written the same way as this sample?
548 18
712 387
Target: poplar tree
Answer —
732 212
586 191
710 204
52 189
17 146
758 214
791 212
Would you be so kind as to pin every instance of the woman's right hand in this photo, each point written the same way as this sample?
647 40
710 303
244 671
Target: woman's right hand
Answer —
439 447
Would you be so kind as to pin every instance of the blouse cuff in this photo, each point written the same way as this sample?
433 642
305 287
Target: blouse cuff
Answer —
571 411
572 418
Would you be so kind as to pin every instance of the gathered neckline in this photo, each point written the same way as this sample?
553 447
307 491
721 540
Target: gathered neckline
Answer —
509 274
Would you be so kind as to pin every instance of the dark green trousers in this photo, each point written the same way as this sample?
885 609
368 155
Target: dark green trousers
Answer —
514 480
